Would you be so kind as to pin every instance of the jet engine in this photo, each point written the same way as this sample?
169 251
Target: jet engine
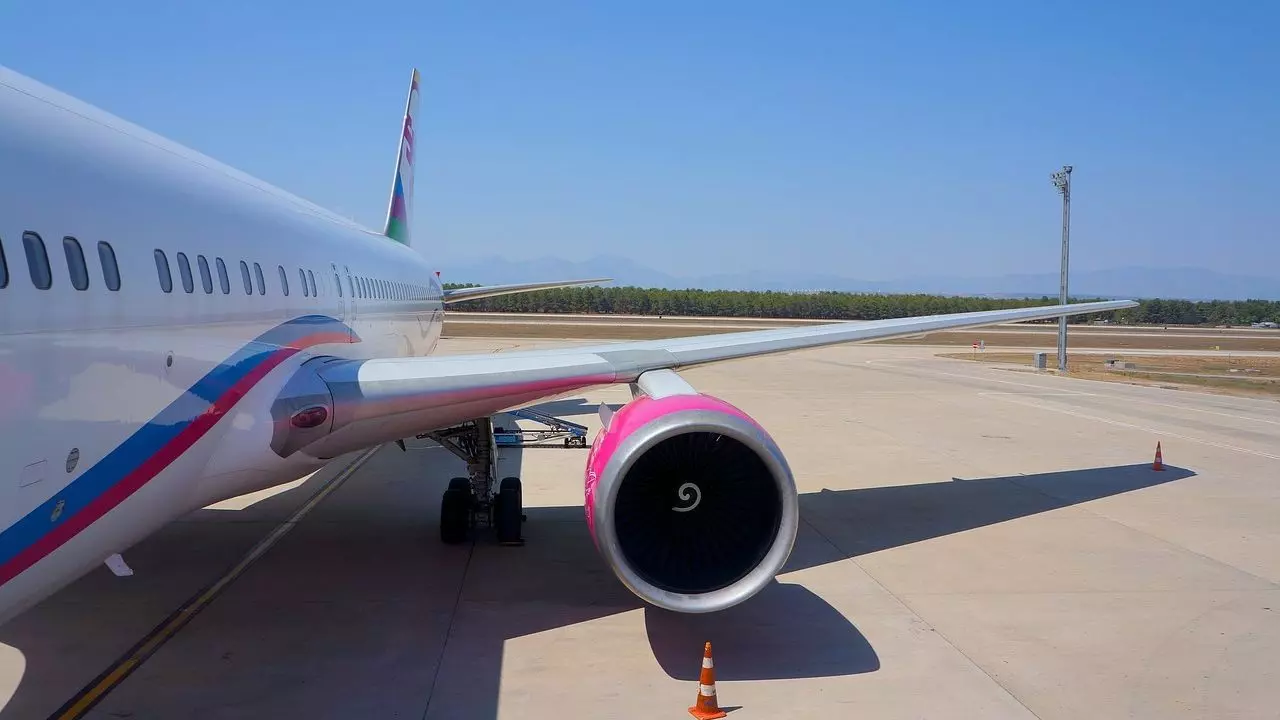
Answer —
690 501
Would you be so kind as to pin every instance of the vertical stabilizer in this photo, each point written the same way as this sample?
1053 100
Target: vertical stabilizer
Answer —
399 209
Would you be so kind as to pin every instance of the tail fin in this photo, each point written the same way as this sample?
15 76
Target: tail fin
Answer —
400 206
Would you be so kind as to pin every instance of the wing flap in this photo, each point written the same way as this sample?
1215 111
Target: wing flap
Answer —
381 400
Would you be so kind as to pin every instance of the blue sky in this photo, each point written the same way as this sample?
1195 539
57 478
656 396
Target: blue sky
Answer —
872 140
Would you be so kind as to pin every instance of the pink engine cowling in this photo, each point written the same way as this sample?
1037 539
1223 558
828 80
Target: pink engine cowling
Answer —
690 502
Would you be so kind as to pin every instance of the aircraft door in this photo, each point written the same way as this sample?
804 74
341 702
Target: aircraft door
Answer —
350 289
340 294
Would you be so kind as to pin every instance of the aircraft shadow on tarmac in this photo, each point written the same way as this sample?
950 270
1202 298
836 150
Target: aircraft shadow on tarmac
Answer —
788 632
785 632
558 580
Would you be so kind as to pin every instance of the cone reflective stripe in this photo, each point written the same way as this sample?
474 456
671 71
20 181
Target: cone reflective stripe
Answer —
706 707
1159 463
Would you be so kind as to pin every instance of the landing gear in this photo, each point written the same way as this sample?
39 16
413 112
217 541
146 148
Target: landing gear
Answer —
508 512
477 501
455 512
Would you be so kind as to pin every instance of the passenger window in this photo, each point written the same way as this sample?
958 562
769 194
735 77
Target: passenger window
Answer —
184 269
351 286
284 280
302 277
262 283
4 268
223 281
75 263
37 261
337 281
244 275
162 270
110 270
311 278
206 279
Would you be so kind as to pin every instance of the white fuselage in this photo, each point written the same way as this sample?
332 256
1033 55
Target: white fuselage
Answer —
122 409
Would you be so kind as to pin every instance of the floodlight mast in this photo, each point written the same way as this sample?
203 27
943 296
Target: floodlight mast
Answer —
1062 181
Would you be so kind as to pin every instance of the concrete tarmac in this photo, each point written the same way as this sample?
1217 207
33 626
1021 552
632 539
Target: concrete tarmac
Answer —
975 543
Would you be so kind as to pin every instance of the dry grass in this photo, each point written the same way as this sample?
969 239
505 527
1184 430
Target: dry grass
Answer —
1248 376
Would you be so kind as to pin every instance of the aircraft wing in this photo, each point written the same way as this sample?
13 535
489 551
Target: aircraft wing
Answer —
381 400
484 291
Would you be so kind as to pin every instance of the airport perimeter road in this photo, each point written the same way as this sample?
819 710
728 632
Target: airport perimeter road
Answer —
976 543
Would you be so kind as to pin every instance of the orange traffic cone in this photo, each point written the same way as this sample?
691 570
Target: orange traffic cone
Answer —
1159 463
706 707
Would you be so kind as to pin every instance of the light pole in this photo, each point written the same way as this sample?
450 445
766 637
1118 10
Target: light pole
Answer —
1062 181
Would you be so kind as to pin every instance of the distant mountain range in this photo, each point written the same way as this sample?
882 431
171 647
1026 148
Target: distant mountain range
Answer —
1127 282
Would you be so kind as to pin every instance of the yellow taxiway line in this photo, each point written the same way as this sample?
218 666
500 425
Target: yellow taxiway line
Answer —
97 689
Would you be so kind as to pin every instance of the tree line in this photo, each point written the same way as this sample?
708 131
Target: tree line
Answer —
830 305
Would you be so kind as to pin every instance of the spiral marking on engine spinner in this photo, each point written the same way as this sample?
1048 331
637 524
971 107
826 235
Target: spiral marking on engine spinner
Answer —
684 493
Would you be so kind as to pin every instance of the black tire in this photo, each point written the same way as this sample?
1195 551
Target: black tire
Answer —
508 512
455 515
460 483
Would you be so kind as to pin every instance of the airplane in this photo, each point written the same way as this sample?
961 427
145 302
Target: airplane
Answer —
174 332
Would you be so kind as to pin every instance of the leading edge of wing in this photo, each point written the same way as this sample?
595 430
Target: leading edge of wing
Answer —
634 357
476 293
702 349
383 399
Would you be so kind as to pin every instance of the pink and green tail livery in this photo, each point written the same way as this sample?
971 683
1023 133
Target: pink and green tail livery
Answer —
398 211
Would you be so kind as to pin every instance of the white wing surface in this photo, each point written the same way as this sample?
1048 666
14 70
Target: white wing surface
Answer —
377 401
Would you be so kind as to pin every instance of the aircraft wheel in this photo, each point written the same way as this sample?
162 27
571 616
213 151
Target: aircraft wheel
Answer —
508 512
455 512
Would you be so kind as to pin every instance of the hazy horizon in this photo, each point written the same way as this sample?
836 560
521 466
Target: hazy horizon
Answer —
1126 282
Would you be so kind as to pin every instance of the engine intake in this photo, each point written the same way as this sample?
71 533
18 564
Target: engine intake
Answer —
690 502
